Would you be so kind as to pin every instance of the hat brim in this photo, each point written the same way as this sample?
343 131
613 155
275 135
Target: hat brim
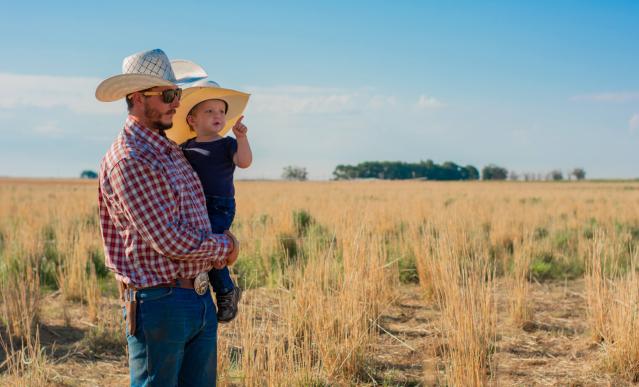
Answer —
236 100
119 86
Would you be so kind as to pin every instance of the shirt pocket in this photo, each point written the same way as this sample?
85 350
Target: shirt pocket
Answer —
185 183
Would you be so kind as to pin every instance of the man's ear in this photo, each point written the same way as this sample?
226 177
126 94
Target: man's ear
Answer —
137 97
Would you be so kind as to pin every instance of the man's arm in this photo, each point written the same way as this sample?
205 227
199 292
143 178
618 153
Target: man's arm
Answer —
147 200
243 157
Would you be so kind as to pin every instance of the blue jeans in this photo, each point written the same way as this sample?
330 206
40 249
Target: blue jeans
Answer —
175 343
221 211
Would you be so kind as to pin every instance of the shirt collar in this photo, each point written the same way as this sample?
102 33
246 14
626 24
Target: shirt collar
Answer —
133 127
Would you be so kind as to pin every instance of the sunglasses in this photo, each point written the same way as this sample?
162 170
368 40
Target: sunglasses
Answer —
168 96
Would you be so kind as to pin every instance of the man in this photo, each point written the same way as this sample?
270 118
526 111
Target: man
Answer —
156 233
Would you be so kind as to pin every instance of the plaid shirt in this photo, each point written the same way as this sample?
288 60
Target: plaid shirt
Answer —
152 211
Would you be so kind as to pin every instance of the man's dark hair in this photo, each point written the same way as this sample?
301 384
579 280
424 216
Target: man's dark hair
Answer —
129 101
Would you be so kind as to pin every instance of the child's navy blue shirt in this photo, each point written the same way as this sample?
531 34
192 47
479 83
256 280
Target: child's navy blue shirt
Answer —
213 163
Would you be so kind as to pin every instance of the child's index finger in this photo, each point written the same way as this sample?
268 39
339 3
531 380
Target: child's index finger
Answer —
239 120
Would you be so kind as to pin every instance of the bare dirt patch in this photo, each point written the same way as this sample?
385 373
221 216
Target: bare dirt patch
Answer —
555 348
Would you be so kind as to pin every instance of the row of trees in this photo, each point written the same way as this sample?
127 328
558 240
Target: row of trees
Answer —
397 170
294 172
88 174
495 172
555 174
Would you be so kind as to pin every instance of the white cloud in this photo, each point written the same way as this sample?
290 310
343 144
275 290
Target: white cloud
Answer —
607 97
44 91
48 129
382 101
633 123
299 99
77 95
296 89
426 103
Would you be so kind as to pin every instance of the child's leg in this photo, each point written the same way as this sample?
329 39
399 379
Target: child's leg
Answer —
221 214
221 280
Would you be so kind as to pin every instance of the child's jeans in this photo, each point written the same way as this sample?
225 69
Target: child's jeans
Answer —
221 212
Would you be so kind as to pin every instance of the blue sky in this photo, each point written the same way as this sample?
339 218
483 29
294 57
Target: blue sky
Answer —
531 86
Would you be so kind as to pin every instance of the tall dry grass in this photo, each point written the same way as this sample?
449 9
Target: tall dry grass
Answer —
318 328
322 260
520 308
26 363
612 289
36 220
461 279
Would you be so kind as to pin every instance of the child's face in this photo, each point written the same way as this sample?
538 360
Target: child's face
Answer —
208 117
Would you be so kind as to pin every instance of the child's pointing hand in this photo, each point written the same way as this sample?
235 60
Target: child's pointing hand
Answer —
239 129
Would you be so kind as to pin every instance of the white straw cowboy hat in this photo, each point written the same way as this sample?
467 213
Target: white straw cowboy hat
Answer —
197 88
140 71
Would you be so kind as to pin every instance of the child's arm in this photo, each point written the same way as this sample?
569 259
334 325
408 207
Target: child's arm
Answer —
243 157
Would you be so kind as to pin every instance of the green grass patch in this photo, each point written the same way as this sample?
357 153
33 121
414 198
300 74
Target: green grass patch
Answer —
108 286
408 270
96 258
566 241
532 200
588 230
631 229
540 233
250 272
50 259
2 241
293 248
545 266
302 220
289 245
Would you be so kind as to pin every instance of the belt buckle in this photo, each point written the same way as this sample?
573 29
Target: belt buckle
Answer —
201 283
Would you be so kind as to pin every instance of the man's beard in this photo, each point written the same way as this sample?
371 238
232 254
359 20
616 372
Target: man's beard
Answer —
154 118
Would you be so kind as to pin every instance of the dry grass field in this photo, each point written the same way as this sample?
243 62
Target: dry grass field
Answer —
352 283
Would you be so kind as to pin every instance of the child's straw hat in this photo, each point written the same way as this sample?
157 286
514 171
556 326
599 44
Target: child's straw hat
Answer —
197 88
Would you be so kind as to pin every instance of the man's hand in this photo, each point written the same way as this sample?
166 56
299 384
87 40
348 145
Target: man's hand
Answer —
236 249
219 265
239 129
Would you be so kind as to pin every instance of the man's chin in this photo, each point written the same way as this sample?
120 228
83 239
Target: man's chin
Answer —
168 125
162 125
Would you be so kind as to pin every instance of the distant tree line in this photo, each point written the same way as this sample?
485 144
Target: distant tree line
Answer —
88 174
294 172
397 170
428 170
555 174
494 172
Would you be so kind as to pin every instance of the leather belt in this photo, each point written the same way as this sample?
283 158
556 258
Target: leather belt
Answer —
200 284
185 283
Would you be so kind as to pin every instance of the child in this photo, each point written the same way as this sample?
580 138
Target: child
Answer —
214 157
